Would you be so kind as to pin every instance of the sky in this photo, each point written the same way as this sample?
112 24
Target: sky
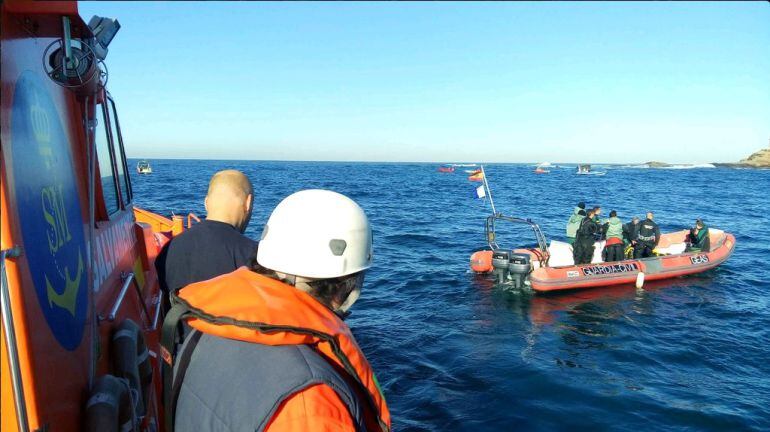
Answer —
441 82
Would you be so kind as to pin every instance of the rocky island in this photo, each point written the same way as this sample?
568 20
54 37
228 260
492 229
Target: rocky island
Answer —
759 159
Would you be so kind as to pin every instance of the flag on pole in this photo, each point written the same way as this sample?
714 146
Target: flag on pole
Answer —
479 176
481 192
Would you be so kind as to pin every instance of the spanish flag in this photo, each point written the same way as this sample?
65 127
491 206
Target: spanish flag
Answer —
476 176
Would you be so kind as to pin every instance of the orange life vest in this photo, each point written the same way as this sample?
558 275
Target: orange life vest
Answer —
246 306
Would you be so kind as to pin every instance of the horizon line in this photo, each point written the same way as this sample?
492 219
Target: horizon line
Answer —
424 162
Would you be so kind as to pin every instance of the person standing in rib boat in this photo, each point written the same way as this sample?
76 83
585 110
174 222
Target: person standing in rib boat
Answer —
647 237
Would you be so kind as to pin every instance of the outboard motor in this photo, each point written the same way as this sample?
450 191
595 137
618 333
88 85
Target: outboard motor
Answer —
519 266
500 265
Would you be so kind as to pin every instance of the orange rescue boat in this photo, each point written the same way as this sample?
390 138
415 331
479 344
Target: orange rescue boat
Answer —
551 268
80 299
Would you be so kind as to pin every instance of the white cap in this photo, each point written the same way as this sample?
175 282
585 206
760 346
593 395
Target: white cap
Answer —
316 234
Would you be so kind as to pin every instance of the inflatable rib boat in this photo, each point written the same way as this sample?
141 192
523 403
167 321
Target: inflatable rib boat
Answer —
551 268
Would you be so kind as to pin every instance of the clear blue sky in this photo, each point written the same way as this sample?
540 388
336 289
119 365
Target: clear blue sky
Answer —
507 82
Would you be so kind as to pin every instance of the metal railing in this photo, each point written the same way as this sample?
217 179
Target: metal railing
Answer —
542 242
129 279
10 340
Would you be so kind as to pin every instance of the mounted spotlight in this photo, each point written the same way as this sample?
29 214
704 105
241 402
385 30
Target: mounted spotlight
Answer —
72 63
104 30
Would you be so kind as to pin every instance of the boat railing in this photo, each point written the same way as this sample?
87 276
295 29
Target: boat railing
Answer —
192 217
9 333
128 280
542 242
158 223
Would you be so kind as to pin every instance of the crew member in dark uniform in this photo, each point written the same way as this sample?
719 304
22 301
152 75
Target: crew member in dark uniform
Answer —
647 238
630 231
217 245
583 250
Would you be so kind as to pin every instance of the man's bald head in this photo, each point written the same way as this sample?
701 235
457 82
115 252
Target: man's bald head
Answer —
231 182
229 198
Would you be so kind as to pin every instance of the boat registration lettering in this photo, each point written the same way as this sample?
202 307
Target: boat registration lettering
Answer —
699 259
610 269
573 273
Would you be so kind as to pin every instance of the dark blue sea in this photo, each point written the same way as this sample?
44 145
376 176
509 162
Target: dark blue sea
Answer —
453 352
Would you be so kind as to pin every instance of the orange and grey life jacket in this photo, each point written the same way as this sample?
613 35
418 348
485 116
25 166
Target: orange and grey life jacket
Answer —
248 307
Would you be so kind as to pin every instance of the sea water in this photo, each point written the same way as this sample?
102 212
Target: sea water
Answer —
453 352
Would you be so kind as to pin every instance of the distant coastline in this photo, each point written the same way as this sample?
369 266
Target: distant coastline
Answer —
758 159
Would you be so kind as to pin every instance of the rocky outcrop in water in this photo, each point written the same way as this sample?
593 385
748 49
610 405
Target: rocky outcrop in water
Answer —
760 159
655 164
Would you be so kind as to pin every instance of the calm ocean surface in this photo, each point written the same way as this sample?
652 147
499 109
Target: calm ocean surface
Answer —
452 352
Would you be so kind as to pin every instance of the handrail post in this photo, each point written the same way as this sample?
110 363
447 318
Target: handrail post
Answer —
10 341
127 279
177 225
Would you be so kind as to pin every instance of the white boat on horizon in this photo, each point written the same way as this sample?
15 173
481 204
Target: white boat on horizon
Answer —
143 167
585 169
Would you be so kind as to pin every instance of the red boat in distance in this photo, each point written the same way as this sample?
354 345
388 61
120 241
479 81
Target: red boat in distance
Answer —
446 169
542 168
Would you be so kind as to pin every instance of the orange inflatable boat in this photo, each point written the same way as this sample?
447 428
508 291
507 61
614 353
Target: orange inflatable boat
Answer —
551 267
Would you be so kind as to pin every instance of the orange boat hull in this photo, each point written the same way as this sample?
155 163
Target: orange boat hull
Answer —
546 279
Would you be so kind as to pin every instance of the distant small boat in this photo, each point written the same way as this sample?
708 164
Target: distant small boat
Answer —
446 169
541 169
585 169
143 167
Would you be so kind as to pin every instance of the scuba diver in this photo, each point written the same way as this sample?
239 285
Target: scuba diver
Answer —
698 238
647 237
583 250
574 221
613 232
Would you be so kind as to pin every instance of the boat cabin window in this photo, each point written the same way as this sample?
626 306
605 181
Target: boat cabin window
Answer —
117 140
105 157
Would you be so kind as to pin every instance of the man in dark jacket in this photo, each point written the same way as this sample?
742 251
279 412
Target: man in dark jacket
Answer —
217 245
630 231
583 250
647 237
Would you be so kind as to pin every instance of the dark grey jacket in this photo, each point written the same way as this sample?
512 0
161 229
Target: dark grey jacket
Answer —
231 385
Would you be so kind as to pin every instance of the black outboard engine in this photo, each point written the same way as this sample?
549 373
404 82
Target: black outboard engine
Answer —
519 266
500 265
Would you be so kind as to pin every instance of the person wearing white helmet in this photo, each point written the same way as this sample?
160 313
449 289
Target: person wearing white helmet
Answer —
269 349
320 242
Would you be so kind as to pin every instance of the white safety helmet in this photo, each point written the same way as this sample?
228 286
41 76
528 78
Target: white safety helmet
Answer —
317 234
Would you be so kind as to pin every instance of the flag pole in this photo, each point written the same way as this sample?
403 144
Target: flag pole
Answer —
489 192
